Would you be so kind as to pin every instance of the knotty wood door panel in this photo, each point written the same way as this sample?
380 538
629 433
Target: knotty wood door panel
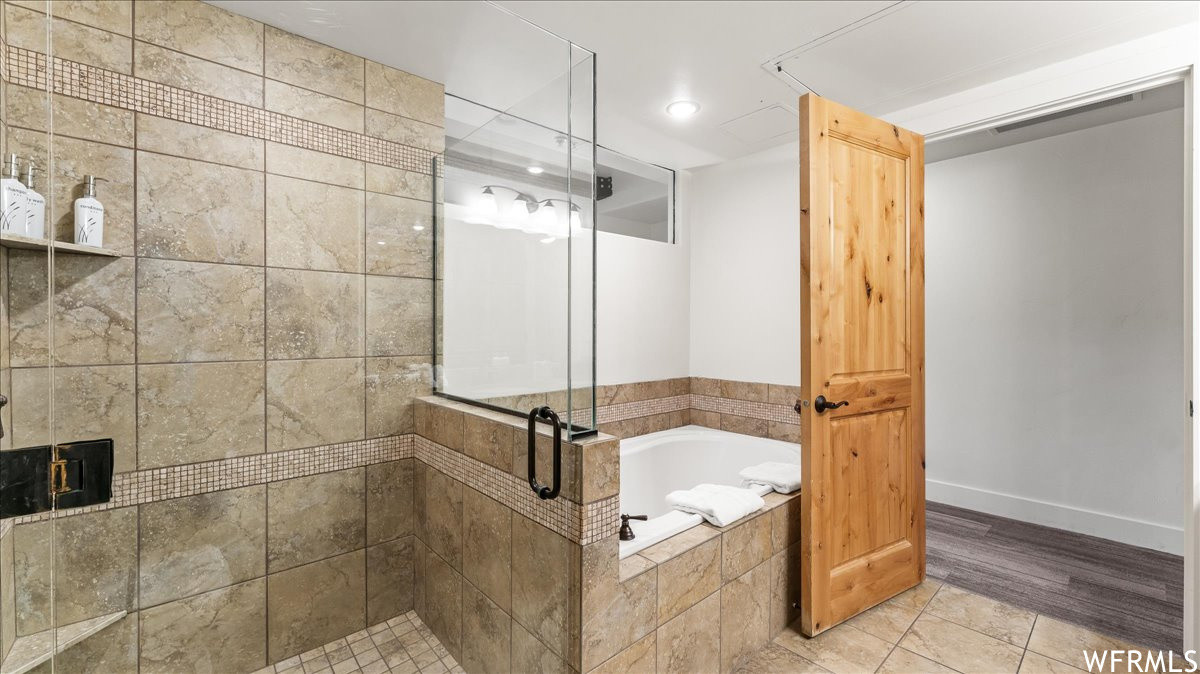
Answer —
862 341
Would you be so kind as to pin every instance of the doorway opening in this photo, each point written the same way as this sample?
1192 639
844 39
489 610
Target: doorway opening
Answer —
1056 348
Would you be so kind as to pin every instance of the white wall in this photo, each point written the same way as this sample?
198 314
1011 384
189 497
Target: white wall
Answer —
1055 337
745 268
641 309
1102 74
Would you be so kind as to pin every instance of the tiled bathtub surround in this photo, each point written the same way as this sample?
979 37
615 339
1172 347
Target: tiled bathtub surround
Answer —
628 410
254 350
497 569
508 583
705 600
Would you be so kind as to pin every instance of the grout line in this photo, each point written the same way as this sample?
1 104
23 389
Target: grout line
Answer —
136 382
362 317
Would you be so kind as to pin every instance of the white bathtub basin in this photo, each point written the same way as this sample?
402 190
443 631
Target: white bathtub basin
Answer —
656 464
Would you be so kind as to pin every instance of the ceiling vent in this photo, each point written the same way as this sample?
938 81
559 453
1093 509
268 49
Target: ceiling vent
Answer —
1127 98
764 124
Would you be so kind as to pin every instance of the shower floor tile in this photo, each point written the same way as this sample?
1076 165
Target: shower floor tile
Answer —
402 645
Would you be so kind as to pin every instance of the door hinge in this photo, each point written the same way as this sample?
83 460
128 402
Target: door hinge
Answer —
58 476
68 475
1191 409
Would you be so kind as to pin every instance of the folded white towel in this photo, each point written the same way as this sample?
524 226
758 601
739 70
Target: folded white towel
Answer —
720 504
782 477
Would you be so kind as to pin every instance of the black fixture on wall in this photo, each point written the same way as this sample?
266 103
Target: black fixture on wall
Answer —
68 475
604 188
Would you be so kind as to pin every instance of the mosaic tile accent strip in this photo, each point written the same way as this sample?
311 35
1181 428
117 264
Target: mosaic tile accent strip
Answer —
161 484
744 408
566 518
600 519
70 78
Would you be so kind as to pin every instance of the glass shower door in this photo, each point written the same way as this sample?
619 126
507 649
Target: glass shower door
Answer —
516 246
68 570
514 317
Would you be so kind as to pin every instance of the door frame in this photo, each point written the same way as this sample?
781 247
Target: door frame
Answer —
1134 66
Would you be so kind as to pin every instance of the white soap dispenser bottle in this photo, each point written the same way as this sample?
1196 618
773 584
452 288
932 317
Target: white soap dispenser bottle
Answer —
35 207
89 215
12 199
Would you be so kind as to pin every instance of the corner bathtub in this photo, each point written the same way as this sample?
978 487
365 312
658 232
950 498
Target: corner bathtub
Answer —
657 464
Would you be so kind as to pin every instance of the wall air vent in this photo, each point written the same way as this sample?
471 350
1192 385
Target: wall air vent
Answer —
1127 98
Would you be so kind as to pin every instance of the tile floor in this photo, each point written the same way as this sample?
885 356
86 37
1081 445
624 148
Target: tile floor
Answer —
402 645
935 628
1105 586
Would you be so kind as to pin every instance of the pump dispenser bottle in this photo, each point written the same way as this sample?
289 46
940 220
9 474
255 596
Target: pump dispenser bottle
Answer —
89 215
12 199
35 207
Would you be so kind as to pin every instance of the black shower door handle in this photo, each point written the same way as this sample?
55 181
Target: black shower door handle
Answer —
545 492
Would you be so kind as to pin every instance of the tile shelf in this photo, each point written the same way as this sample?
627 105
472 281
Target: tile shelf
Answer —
29 243
30 651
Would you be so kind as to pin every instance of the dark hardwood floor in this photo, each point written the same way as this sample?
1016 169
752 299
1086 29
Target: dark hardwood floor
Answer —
1128 592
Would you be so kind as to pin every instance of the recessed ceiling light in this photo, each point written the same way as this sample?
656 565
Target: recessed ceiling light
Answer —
535 170
418 227
548 239
683 109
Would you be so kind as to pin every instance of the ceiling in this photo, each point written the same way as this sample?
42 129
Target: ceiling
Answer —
745 62
1129 106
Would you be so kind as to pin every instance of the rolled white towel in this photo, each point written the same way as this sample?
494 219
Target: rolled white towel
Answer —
720 504
782 477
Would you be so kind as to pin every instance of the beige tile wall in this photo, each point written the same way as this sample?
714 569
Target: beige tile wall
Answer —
504 584
504 589
702 601
271 294
498 571
638 408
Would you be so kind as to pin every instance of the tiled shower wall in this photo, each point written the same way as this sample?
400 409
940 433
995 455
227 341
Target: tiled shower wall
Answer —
270 295
498 571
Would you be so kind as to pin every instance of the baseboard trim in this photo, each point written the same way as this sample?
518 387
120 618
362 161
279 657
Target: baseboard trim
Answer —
1113 527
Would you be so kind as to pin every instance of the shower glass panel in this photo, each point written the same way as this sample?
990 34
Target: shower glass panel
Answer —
515 298
49 372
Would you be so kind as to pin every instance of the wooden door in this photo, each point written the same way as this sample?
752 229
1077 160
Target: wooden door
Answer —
862 342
